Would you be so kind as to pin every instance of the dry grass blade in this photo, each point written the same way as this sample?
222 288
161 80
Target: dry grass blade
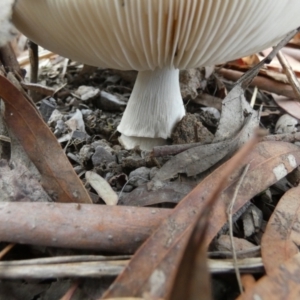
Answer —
58 176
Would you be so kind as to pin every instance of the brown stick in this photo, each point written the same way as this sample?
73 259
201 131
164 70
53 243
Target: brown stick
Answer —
34 61
117 229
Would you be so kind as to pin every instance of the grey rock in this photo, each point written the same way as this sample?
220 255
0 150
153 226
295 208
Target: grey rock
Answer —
139 176
102 156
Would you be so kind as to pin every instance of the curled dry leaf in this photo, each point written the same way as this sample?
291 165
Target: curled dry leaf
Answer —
282 237
102 187
235 112
281 283
58 177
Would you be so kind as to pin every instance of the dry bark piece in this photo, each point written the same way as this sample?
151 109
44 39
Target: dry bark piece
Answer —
157 39
58 177
281 238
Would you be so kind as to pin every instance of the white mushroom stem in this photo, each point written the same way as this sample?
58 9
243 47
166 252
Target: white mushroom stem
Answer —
154 108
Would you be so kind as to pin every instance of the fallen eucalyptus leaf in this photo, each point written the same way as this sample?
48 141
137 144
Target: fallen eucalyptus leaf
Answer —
282 238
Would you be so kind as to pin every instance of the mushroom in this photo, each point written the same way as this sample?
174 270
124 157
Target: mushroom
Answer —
157 38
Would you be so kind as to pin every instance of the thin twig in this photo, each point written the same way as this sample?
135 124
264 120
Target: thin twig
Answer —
254 97
229 213
6 250
290 74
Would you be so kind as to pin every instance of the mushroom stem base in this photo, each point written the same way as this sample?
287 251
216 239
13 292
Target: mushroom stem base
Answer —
154 108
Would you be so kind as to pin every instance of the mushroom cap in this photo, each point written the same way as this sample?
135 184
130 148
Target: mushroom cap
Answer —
149 34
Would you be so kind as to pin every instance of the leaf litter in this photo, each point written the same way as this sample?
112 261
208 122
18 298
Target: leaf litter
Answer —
269 163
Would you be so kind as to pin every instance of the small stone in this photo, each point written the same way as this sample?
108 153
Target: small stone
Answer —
128 188
46 108
286 124
102 156
139 176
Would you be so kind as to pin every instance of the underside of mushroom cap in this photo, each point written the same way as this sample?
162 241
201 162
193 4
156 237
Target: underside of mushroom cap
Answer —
150 34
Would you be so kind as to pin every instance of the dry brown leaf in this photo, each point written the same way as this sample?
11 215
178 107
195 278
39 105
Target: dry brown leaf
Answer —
58 177
291 106
282 237
281 283
171 192
192 278
269 162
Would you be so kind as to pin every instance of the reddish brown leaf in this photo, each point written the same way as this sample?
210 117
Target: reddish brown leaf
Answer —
291 106
58 176
281 283
192 279
282 237
268 163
